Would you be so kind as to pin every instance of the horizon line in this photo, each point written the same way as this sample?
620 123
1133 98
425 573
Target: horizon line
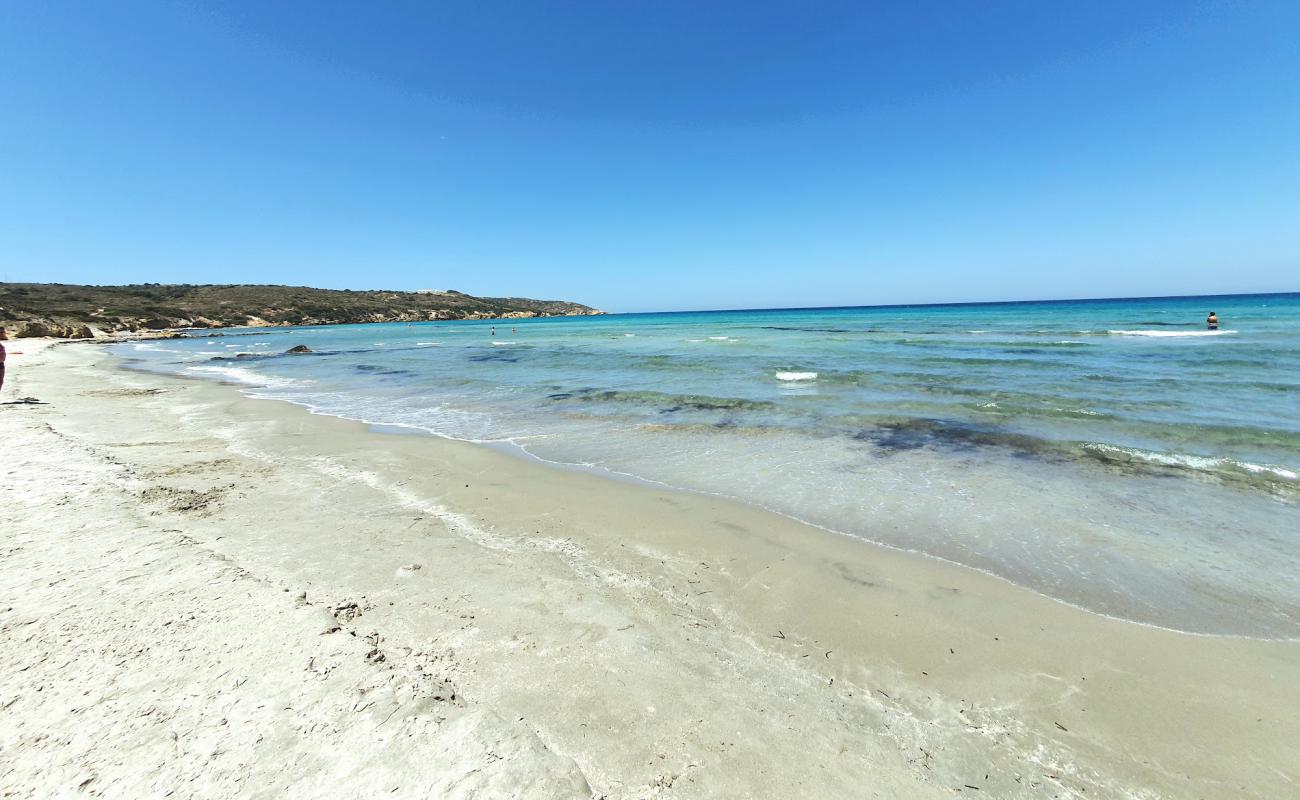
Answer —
964 303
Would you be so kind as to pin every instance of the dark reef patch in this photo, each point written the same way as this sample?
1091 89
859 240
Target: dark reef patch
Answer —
504 358
667 403
806 330
375 369
898 437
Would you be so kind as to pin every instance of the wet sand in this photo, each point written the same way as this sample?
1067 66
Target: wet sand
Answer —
213 596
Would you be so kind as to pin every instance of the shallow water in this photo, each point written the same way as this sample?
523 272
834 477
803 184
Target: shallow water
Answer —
1113 454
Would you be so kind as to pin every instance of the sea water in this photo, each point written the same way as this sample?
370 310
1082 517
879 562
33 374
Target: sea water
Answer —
1113 454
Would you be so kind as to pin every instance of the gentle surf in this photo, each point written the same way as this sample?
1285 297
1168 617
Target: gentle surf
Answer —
1112 454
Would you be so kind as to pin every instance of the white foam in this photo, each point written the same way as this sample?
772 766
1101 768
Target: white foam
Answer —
796 376
243 375
1167 459
1164 334
722 338
1194 462
1281 472
426 344
502 344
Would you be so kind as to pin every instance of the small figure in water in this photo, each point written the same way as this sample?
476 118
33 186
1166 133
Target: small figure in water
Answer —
513 331
494 332
1212 321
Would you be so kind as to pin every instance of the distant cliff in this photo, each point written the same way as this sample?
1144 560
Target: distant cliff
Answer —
81 312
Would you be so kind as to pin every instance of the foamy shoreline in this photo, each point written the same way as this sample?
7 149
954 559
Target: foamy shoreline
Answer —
562 635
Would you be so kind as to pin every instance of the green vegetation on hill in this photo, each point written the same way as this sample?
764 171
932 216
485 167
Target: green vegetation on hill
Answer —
42 309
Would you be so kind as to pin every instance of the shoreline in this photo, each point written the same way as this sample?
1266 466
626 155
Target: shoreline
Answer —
511 449
814 663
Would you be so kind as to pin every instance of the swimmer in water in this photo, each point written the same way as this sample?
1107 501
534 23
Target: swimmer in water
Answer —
1212 321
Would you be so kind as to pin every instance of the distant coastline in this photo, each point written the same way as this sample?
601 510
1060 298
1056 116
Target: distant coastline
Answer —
86 312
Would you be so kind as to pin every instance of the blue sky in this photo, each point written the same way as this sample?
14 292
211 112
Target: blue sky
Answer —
654 155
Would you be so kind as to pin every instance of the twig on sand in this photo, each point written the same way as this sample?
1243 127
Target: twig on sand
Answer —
780 634
390 716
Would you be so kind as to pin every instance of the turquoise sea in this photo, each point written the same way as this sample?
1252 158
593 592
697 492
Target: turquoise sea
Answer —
1113 454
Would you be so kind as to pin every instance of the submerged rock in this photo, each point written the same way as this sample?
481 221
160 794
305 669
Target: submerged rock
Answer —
302 348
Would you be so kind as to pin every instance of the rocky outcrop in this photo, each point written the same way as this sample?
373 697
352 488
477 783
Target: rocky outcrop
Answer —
33 329
301 348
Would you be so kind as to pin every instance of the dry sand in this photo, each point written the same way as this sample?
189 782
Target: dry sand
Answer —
203 595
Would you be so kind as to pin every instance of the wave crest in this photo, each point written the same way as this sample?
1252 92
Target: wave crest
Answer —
1165 334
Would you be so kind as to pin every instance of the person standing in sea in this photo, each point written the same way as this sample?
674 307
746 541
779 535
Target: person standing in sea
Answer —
1212 321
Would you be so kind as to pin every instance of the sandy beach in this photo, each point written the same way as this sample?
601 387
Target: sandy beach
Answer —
206 595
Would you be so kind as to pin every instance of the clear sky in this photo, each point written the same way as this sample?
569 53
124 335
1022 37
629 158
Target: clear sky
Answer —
656 155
